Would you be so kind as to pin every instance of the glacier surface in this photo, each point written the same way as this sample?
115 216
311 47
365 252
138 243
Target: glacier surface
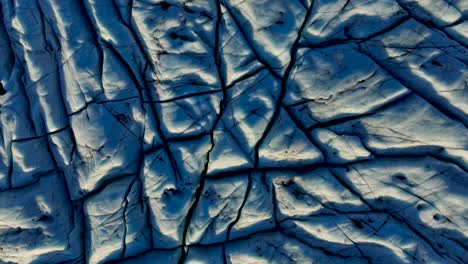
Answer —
234 131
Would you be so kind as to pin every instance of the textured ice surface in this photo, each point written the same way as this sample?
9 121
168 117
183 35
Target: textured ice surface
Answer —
234 131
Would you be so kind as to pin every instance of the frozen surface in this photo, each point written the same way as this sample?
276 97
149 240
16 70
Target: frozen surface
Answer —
234 131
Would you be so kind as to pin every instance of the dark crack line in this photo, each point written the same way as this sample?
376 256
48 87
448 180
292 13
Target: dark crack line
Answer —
103 184
238 216
284 81
251 47
428 99
356 117
350 39
154 112
222 107
43 135
429 23
124 217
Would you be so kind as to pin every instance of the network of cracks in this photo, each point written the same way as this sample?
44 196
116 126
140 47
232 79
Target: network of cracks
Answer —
233 131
